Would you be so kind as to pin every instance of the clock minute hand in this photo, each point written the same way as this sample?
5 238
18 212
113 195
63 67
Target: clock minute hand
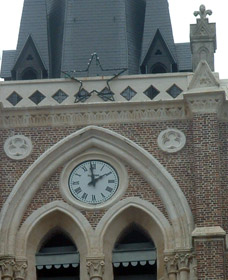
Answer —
100 177
93 182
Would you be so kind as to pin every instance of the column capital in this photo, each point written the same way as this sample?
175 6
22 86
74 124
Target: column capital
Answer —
95 267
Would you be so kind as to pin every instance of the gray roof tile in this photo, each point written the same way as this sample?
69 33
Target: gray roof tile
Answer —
8 58
184 56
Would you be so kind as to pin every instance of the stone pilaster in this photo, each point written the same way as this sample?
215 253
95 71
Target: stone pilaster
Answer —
12 269
209 244
205 108
95 267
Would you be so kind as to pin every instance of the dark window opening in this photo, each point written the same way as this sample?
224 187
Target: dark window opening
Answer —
29 74
158 68
58 259
134 256
158 52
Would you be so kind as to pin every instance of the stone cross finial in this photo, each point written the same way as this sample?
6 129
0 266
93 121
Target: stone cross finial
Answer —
203 12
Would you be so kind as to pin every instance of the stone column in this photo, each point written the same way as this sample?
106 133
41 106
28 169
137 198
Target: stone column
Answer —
20 270
183 265
95 267
171 267
7 268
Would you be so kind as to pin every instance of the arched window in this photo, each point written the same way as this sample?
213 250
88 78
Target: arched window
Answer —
29 74
134 256
57 259
158 68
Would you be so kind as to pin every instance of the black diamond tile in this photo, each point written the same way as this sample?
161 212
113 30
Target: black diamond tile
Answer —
174 91
82 96
128 93
14 98
151 92
106 94
60 96
37 97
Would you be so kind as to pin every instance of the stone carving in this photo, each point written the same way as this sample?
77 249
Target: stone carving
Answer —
18 147
13 270
7 268
203 12
147 112
203 39
203 77
171 140
20 270
95 268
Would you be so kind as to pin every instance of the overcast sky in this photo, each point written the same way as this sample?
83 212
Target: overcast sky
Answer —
181 15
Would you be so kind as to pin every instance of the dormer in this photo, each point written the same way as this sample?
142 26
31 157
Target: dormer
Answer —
158 58
29 64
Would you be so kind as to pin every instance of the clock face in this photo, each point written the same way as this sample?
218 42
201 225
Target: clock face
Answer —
93 181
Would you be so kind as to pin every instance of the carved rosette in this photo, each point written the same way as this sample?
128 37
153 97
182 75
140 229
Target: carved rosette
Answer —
13 270
18 147
95 268
171 140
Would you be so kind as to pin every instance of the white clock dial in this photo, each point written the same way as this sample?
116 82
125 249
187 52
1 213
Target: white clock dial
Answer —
93 181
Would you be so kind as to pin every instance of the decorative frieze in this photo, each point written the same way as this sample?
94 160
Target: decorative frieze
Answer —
81 115
95 268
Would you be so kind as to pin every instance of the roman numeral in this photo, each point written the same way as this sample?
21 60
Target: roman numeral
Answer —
94 198
84 168
78 190
102 167
84 196
108 189
111 181
102 195
94 166
75 183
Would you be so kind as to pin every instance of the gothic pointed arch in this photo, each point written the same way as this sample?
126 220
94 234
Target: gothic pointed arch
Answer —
110 142
134 210
41 224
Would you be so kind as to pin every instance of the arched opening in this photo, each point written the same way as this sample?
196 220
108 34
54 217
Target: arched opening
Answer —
29 74
134 255
158 68
58 258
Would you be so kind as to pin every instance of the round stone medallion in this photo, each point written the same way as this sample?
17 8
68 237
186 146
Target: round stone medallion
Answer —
171 140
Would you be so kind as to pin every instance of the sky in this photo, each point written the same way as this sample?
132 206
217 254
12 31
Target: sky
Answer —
181 12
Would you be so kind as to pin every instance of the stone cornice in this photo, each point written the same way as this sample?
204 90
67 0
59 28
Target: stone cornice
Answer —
208 232
85 114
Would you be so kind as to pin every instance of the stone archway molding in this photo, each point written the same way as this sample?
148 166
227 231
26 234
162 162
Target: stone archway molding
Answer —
108 141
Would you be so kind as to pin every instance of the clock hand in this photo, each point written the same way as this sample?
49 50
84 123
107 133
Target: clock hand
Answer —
93 182
100 177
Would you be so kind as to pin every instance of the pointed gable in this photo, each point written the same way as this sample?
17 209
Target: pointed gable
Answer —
157 18
34 24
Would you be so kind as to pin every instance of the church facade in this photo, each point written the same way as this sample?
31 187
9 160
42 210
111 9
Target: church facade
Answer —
115 169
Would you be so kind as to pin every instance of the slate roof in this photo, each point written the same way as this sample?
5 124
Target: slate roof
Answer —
8 58
184 56
67 32
157 17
